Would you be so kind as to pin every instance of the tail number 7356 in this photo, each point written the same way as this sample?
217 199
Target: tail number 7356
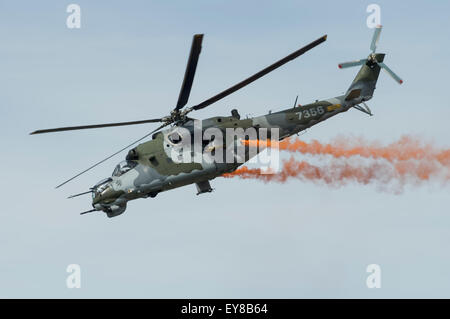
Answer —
314 111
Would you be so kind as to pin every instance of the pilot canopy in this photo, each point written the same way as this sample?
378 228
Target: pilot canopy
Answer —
123 167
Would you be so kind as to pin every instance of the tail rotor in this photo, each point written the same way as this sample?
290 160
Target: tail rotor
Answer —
373 58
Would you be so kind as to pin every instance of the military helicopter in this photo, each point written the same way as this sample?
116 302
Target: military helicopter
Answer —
149 168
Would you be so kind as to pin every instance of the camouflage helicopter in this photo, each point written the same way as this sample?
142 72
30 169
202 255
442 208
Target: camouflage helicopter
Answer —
149 168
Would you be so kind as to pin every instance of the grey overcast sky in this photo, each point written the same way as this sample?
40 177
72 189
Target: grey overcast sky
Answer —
246 239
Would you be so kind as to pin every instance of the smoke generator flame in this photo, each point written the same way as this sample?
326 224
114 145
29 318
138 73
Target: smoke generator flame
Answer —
407 161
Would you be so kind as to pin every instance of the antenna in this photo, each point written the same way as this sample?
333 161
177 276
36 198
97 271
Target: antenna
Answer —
88 211
295 103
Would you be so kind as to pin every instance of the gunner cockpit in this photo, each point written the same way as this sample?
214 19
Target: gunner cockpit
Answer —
123 167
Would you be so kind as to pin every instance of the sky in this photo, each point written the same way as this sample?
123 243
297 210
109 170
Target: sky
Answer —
247 239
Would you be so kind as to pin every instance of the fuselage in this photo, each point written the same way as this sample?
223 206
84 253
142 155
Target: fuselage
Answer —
150 168
153 167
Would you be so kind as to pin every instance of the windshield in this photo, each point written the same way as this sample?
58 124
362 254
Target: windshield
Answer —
100 186
123 167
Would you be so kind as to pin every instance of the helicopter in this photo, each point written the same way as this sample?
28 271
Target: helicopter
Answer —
151 167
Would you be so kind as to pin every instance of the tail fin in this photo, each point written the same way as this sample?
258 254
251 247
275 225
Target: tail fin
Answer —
363 85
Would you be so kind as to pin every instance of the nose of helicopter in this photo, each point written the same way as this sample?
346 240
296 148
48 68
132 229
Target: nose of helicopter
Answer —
105 198
103 193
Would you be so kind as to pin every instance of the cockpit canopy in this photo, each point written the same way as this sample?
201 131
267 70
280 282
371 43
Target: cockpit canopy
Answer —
101 186
123 167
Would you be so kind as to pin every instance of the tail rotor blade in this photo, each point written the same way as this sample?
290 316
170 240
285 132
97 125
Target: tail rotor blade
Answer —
352 63
375 38
390 72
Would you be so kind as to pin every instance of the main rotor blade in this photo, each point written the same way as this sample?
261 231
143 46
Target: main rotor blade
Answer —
260 74
103 160
390 72
375 38
190 71
82 127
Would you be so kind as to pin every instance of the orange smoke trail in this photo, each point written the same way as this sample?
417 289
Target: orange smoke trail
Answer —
406 148
337 173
